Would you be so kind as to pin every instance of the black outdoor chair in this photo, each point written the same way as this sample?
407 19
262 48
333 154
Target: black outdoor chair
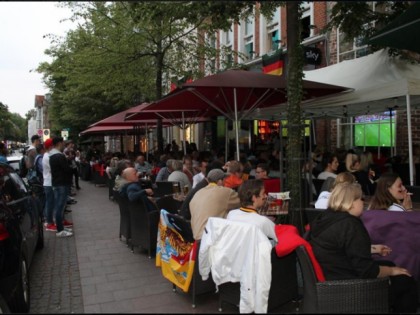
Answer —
197 285
284 285
143 226
169 204
125 228
318 185
163 188
341 296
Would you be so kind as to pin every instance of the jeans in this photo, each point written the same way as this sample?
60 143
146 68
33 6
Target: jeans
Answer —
49 204
60 199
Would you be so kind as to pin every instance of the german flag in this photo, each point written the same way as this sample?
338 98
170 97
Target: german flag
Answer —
273 63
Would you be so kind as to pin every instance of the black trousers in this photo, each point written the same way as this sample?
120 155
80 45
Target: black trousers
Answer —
402 292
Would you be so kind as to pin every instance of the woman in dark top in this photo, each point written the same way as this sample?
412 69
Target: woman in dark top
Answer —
342 247
364 178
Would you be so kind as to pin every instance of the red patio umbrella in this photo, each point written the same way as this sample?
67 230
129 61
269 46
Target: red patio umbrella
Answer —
178 117
235 94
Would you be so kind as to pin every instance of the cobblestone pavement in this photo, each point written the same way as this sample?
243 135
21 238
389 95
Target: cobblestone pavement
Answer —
95 272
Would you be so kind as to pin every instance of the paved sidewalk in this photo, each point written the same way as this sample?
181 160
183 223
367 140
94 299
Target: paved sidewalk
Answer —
95 272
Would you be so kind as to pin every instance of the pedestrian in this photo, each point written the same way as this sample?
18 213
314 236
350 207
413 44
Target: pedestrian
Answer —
61 179
48 190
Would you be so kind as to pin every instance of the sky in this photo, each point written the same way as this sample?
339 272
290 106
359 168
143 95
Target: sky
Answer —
22 46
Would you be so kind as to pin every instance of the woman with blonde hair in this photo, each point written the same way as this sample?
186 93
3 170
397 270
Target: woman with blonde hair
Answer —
322 201
364 178
342 246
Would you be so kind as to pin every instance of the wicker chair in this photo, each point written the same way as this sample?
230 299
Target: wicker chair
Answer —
125 229
143 226
164 188
341 296
197 286
284 286
169 204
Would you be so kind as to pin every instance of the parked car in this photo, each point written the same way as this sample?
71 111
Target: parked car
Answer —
13 161
21 233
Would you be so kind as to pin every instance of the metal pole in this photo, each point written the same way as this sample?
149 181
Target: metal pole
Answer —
410 140
281 155
183 133
390 131
147 143
226 139
338 132
236 124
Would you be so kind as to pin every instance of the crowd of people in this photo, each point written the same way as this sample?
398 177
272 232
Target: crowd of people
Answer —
51 171
237 191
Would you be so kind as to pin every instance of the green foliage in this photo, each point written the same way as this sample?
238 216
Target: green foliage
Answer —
356 19
13 126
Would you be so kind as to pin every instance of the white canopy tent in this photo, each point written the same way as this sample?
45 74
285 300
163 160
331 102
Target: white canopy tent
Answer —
379 83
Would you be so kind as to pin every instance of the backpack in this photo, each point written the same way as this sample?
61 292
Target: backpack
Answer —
34 179
23 170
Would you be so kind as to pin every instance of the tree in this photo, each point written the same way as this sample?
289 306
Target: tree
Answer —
357 19
13 126
122 52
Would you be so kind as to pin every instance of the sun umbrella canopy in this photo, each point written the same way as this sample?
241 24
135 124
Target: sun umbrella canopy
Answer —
119 118
174 116
403 32
216 94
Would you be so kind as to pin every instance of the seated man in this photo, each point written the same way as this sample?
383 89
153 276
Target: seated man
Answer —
133 191
214 200
142 166
212 176
252 196
270 184
235 170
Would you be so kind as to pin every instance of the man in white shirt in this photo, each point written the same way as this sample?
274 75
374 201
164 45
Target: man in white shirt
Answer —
200 176
253 197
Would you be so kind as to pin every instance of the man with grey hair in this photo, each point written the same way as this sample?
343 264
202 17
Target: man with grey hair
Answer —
178 175
214 200
165 171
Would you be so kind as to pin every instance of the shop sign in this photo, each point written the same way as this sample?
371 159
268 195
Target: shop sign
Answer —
312 55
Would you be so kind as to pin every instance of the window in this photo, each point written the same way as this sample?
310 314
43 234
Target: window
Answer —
351 48
306 20
249 50
249 27
273 40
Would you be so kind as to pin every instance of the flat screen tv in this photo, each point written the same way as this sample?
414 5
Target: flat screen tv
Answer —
374 130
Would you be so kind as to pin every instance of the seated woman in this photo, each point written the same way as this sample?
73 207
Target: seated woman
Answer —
364 178
342 247
391 194
252 197
322 201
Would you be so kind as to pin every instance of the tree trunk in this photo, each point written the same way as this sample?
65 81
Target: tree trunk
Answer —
294 75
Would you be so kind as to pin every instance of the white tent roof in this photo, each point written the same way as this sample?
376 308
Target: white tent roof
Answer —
379 82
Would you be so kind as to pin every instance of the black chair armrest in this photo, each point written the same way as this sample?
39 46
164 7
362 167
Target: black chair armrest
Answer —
355 296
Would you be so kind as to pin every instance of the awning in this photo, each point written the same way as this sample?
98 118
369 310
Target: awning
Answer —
401 33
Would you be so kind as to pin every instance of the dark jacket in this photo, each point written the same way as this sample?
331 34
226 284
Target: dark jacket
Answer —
134 192
342 246
61 172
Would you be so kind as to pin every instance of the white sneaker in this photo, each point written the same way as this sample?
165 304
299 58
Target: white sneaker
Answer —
68 229
64 233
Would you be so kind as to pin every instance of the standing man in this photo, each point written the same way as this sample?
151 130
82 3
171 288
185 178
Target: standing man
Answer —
31 152
48 190
61 179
